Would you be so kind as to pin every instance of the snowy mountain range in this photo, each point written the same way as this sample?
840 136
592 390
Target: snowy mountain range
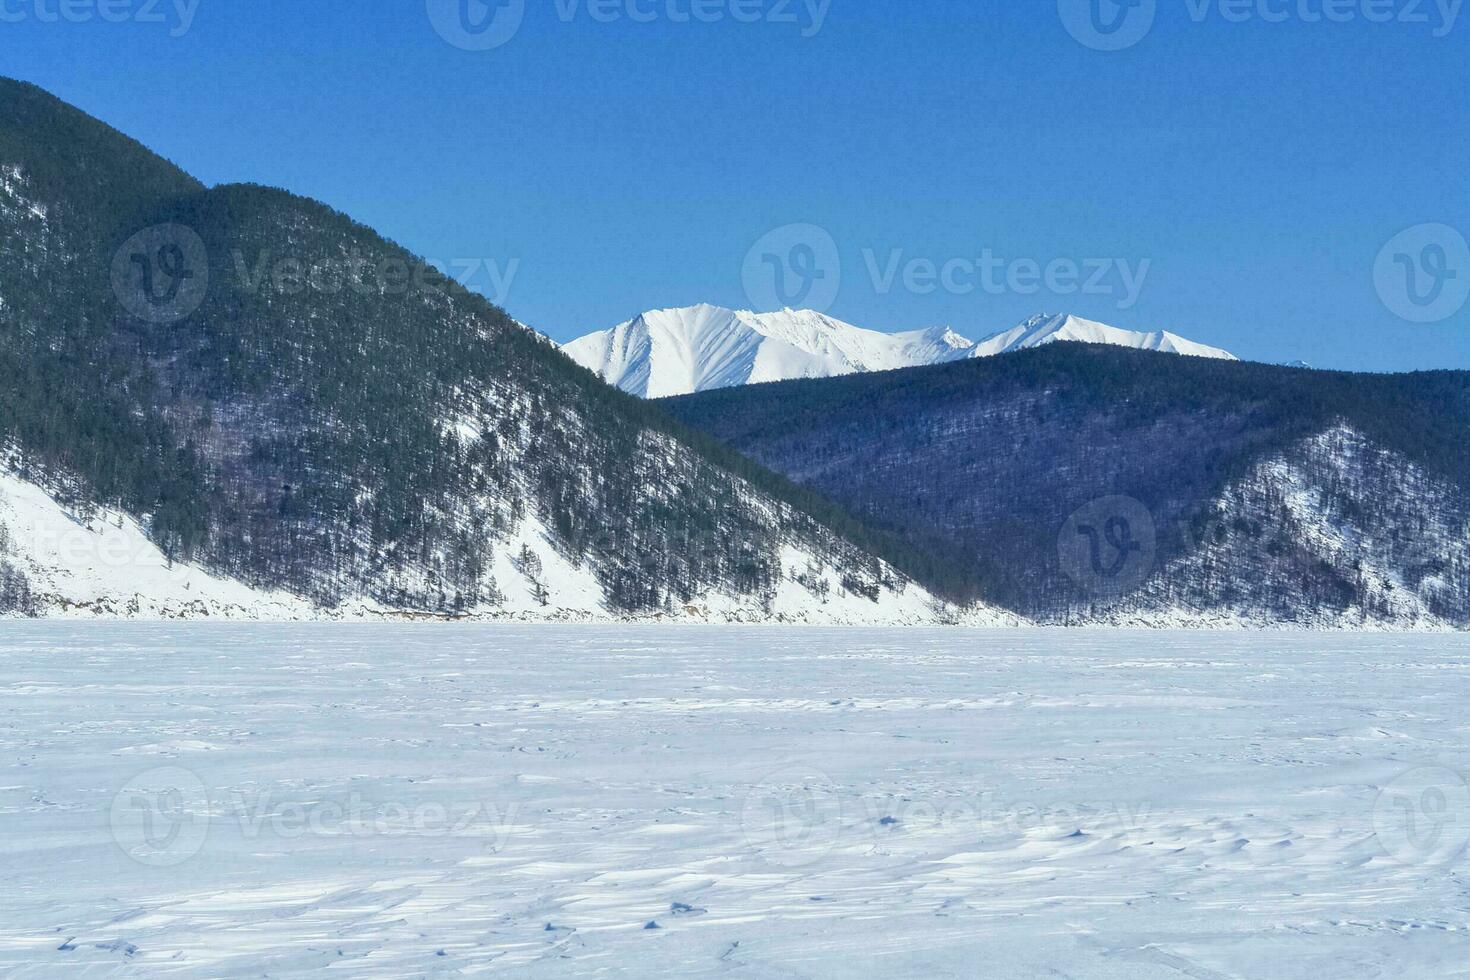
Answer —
180 439
702 348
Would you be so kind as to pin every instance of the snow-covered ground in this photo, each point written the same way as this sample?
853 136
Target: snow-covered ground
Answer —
425 800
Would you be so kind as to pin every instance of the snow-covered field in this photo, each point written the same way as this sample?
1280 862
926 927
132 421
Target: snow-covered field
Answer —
412 800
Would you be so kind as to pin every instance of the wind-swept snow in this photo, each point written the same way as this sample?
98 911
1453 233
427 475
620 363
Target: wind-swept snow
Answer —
429 800
699 348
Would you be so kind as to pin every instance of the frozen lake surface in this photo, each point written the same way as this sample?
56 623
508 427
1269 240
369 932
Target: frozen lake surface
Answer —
714 802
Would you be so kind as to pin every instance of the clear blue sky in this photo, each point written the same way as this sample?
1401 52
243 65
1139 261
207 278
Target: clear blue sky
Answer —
1259 167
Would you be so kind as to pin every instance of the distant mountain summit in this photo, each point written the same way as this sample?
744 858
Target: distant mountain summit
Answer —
1047 329
701 348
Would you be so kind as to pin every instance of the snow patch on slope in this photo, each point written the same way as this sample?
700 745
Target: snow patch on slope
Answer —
103 564
13 184
537 580
812 591
1322 503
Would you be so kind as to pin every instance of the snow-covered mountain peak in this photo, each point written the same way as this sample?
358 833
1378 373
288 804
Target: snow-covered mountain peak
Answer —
1047 328
698 348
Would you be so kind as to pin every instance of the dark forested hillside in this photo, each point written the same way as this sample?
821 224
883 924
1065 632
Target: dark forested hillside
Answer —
280 394
1348 493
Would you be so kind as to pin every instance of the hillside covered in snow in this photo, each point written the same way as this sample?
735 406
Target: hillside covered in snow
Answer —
1081 483
237 401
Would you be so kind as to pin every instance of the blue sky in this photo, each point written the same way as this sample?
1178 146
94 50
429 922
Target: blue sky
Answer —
1235 173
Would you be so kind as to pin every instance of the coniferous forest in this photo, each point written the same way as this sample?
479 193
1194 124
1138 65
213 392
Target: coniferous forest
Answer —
287 398
981 462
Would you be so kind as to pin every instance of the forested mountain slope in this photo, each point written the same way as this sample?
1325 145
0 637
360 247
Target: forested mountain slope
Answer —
1078 482
273 394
